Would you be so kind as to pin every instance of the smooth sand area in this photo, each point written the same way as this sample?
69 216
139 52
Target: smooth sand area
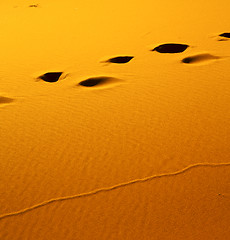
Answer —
114 120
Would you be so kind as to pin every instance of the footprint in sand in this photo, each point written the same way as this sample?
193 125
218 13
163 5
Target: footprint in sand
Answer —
199 58
50 77
171 48
119 60
101 81
6 100
33 5
226 35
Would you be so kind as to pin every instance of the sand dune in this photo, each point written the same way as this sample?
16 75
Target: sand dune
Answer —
135 146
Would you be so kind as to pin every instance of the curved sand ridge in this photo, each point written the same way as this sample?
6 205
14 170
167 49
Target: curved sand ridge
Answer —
111 188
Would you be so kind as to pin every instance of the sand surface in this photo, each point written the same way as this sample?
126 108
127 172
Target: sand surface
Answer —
122 142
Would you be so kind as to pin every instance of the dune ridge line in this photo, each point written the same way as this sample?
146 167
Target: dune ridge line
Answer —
106 189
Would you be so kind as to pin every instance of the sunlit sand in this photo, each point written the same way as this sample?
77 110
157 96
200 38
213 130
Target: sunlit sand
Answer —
114 120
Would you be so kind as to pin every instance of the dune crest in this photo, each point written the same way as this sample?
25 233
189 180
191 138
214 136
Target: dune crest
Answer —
107 189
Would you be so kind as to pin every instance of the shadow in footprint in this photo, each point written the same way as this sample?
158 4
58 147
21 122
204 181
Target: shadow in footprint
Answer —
119 60
225 35
5 100
51 76
198 58
171 48
98 81
33 5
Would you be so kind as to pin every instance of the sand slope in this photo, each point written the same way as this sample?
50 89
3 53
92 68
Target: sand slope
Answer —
80 150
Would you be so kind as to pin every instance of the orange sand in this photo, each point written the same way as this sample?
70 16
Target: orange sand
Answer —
144 154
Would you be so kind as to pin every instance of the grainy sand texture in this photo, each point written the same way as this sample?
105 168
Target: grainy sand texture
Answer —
114 120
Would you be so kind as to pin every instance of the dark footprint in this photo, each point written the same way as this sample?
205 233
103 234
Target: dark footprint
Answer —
121 59
95 81
226 35
33 5
171 48
199 58
5 100
51 76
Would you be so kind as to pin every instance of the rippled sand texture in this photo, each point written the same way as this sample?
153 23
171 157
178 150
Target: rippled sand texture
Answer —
114 120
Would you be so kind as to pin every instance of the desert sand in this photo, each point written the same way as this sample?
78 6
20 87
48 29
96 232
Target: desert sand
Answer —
114 120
